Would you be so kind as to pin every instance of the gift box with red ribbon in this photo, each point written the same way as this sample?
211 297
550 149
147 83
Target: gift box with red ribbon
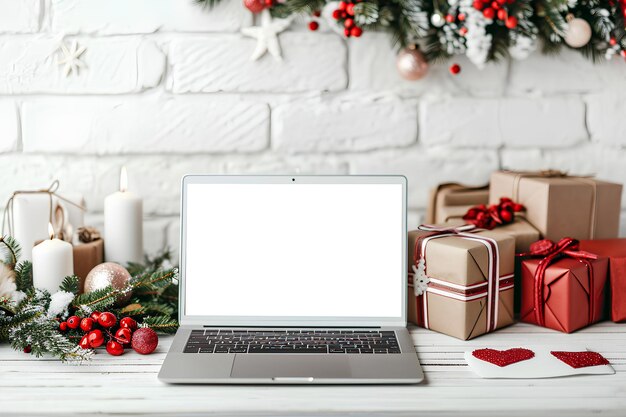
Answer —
460 280
615 250
562 287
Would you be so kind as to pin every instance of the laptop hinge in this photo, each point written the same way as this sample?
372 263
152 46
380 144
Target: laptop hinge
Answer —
294 327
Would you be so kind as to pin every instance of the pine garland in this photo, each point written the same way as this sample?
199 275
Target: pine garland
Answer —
537 24
30 321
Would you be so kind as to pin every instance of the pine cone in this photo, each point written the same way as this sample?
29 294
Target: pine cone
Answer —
87 234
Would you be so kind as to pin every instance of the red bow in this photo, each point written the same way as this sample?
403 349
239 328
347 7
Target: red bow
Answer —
494 215
551 251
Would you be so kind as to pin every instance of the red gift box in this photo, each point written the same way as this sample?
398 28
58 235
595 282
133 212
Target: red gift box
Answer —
615 250
562 287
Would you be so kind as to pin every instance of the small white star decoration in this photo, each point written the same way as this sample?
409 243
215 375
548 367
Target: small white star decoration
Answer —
267 36
71 58
420 279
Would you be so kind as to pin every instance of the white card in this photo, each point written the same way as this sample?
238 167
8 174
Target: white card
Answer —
542 365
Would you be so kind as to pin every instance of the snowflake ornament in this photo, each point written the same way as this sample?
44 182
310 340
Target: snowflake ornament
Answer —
267 36
71 58
420 279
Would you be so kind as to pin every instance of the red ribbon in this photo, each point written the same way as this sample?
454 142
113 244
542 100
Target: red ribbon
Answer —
551 252
494 215
467 232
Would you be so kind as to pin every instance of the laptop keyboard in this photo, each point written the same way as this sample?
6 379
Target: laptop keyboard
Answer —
292 341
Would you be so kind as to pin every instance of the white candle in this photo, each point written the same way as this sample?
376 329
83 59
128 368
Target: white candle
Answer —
123 225
31 215
53 260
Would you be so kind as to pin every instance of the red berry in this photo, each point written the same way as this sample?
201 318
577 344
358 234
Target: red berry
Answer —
28 349
63 326
506 216
86 324
511 22
336 14
317 13
612 41
348 23
342 5
94 316
344 15
518 207
115 348
314 25
478 5
455 69
95 338
623 53
461 17
107 319
463 31
73 322
129 323
495 5
145 340
346 32
356 31
84 342
123 335
449 18
489 13
502 14
269 3
350 9
255 6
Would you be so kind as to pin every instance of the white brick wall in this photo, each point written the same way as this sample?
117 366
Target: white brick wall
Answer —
169 90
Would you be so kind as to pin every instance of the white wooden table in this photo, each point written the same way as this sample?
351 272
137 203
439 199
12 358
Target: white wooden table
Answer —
128 385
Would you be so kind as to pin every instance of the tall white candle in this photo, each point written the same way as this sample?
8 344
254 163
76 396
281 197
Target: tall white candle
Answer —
123 225
53 260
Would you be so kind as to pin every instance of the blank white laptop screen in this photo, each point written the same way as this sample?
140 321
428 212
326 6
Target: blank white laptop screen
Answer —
294 250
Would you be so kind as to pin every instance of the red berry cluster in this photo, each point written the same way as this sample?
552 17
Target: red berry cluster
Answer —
494 215
100 325
344 14
497 8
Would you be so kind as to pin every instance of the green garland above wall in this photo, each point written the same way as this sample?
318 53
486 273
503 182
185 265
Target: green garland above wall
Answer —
483 30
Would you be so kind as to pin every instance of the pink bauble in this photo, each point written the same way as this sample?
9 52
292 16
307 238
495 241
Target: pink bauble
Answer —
108 273
412 64
255 6
578 33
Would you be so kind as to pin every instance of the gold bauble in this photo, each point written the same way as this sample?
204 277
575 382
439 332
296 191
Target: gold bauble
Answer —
109 273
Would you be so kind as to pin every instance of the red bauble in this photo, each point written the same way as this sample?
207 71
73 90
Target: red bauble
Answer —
145 340
123 335
129 323
255 6
511 22
28 349
95 338
342 5
115 348
489 13
348 23
94 316
350 9
73 322
107 319
314 25
63 326
86 324
84 342
356 31
455 69
336 14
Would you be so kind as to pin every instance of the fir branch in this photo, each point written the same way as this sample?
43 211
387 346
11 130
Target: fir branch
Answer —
296 7
207 3
161 324
70 284
96 300
365 13
24 276
11 250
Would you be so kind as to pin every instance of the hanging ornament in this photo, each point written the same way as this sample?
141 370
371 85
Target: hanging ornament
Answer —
255 6
578 32
71 58
437 19
411 63
102 276
267 35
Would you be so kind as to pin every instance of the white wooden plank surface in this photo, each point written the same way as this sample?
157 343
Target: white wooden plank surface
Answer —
128 385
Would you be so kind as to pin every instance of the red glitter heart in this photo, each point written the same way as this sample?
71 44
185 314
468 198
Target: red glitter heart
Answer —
581 359
503 357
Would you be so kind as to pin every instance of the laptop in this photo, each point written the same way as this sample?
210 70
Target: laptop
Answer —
293 280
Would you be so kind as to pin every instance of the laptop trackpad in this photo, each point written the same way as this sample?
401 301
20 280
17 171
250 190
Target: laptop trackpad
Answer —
275 365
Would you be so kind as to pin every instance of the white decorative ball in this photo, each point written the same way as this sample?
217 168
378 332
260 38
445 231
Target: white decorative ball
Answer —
578 33
437 19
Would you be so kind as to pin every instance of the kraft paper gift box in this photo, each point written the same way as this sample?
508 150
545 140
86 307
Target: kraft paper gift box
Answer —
562 206
568 294
470 288
450 201
86 257
615 250
523 233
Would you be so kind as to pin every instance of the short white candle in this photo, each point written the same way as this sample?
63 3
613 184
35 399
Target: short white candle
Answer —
53 260
123 225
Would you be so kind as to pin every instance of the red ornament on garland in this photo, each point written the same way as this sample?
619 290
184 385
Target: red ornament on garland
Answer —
129 323
84 342
145 340
336 14
348 23
511 22
350 9
115 348
356 32
86 324
94 316
455 69
95 338
63 326
73 322
489 13
255 6
123 335
107 319
313 26
28 349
